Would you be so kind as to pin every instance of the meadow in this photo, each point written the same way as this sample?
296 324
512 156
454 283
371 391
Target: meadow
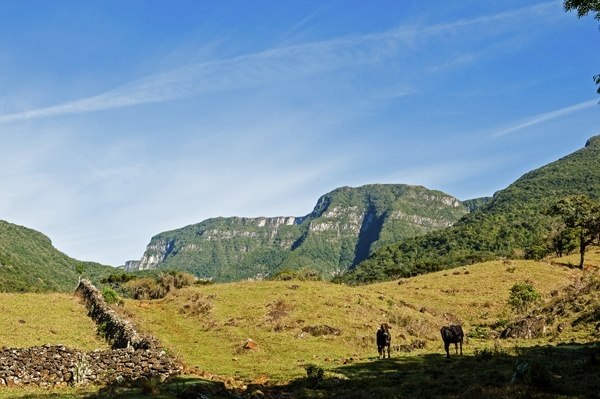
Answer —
29 319
308 339
298 323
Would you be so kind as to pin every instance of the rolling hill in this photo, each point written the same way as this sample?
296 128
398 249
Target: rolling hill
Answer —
29 263
512 224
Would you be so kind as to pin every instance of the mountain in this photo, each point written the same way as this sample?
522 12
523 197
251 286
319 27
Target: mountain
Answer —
29 262
345 226
514 223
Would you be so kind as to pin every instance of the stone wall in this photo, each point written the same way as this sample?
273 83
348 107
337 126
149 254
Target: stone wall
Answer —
133 355
60 366
118 331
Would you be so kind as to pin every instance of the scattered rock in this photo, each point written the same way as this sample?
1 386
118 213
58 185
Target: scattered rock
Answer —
249 344
529 327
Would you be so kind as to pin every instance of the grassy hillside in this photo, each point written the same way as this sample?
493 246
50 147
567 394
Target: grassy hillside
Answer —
295 324
512 224
29 262
207 327
53 318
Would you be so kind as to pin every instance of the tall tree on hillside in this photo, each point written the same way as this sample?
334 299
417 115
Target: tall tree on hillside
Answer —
582 216
584 7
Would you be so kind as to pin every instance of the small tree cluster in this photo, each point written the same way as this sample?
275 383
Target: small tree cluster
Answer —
581 218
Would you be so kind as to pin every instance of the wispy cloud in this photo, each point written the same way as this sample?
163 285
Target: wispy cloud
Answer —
545 117
270 66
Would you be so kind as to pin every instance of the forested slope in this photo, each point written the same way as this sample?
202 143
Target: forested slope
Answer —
514 223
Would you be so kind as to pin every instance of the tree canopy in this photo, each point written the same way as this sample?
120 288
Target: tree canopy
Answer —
584 7
581 215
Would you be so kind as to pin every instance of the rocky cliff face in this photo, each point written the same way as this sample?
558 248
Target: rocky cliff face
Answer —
345 226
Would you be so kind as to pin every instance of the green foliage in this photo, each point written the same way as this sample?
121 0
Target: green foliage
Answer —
115 280
514 224
314 372
564 242
303 274
158 286
344 228
479 332
29 263
110 296
522 295
537 251
477 203
584 7
581 216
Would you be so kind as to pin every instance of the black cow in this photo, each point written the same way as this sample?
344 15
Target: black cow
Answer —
384 339
452 335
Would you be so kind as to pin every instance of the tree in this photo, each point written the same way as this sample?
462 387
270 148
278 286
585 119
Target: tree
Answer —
581 215
584 7
522 295
564 242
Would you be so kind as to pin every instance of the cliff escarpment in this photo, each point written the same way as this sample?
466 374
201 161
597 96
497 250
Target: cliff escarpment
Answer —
344 228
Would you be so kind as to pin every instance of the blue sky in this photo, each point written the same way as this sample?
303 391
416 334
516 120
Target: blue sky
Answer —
123 119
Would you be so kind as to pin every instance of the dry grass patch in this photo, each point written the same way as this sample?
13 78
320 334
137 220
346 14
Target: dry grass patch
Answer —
39 319
279 319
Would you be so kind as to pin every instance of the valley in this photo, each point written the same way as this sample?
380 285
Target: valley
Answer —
236 338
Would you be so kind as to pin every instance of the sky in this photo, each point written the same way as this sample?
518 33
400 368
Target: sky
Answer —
123 119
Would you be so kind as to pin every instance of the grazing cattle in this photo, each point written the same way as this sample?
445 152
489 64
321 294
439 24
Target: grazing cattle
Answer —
384 339
452 335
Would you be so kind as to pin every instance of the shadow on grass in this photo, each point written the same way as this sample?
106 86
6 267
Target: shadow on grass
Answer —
566 371
569 371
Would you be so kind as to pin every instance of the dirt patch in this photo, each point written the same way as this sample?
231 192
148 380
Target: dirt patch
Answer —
317 331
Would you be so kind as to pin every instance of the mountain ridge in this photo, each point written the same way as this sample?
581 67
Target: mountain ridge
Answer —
513 223
29 262
343 228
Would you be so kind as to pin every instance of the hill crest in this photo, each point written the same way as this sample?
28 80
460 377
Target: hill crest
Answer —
344 227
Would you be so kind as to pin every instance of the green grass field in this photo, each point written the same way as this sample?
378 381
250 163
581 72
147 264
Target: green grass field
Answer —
39 319
208 327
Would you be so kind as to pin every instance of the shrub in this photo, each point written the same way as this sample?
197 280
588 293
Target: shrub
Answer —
479 332
302 274
522 295
110 296
159 287
142 288
314 372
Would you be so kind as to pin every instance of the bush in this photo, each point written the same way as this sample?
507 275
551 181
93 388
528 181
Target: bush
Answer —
142 288
159 287
303 274
110 296
479 332
314 372
522 295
